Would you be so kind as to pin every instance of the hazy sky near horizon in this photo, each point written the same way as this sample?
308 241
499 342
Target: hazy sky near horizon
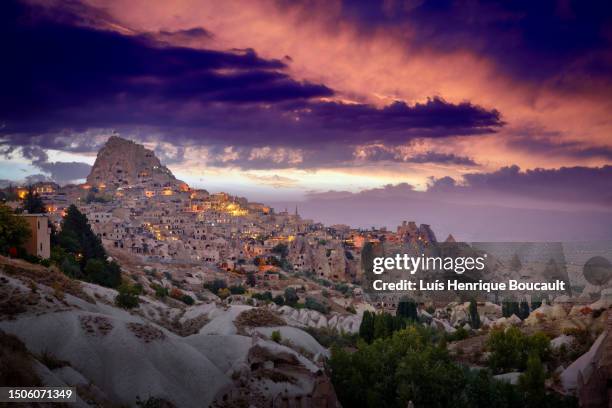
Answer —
507 104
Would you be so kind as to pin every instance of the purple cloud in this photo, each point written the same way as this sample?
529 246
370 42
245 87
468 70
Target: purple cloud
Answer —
74 78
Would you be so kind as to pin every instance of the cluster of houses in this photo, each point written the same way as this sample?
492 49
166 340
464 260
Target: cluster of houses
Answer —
176 224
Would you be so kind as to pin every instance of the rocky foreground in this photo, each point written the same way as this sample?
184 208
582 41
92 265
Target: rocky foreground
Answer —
56 331
75 335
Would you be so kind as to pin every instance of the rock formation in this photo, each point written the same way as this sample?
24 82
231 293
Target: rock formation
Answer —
123 163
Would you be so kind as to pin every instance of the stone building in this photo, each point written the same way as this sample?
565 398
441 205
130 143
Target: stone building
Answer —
39 243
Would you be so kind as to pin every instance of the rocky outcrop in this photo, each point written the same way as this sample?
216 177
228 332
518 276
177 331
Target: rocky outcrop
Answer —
325 260
122 163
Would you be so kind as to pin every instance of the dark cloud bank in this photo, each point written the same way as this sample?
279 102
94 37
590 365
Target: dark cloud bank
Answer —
66 77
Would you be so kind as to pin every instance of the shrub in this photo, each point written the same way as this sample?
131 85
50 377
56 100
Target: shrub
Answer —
127 298
14 231
264 297
223 293
474 316
160 291
511 348
188 300
291 296
313 304
279 300
342 288
407 308
276 336
215 286
103 273
459 334
237 290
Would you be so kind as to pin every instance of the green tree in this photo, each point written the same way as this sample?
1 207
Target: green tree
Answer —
14 230
523 310
103 273
367 258
77 237
407 308
531 382
291 297
389 372
509 308
366 329
535 304
510 348
381 330
474 316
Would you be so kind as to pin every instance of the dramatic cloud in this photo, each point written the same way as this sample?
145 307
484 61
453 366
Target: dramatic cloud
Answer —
547 144
563 37
77 78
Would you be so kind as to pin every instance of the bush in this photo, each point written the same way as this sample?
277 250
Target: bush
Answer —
276 336
103 273
223 293
264 297
474 316
14 231
160 291
215 286
407 308
279 300
313 304
188 300
291 296
411 365
237 290
342 288
459 334
511 348
127 298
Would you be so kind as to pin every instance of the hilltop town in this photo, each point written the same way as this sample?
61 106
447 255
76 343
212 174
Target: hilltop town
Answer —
141 212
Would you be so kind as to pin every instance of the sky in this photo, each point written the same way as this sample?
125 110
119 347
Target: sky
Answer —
462 114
